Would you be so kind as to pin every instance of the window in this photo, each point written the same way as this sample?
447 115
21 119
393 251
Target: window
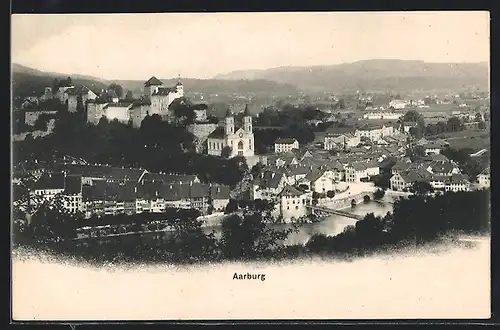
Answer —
288 207
240 153
296 207
240 145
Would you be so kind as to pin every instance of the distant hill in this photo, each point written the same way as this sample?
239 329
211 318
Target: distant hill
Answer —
220 86
375 75
27 81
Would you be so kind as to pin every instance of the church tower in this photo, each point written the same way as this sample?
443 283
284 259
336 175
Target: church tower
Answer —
229 121
179 88
247 120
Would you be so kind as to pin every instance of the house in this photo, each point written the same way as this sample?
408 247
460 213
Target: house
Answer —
438 182
356 172
285 145
268 185
286 159
457 182
49 185
219 195
340 141
404 180
300 155
397 104
406 126
432 148
483 179
167 178
293 203
382 115
297 173
321 181
372 168
92 173
73 199
444 168
176 194
375 132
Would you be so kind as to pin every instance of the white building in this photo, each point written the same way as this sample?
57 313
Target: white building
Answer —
397 104
293 203
382 115
239 140
161 96
375 132
321 181
285 145
268 185
341 141
483 179
355 172
432 148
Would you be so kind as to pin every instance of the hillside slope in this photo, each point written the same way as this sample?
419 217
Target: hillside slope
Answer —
220 86
27 81
375 75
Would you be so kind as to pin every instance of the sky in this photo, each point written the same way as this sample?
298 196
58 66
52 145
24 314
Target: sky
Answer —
137 46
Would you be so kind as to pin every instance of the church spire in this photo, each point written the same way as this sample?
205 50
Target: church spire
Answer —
246 113
229 113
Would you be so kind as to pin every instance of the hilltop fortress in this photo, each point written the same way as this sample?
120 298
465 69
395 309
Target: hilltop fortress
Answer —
156 99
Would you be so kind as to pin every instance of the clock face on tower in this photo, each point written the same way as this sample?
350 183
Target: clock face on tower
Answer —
241 135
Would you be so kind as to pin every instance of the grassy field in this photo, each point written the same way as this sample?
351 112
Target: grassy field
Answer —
476 142
473 138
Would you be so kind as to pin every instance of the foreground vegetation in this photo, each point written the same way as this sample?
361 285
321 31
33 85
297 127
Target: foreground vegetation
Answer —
250 235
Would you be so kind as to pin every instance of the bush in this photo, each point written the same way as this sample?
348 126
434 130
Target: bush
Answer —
379 194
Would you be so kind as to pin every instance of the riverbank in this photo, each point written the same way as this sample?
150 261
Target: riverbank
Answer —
436 283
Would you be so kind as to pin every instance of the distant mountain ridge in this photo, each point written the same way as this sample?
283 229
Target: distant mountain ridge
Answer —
373 74
27 81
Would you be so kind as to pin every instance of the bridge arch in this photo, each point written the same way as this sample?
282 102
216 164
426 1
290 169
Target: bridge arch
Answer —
366 198
353 202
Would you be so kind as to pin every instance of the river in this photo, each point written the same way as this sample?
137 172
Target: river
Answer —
331 225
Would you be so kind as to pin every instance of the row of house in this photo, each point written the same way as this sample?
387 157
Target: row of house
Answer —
402 181
98 190
341 138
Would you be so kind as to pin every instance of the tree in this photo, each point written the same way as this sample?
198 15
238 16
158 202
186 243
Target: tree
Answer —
118 89
226 152
231 207
340 104
416 132
421 188
415 153
481 125
129 96
454 124
330 193
378 194
414 116
42 122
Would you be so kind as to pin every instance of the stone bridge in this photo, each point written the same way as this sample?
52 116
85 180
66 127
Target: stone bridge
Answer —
324 211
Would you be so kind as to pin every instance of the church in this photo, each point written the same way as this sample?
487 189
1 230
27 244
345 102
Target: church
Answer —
238 138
